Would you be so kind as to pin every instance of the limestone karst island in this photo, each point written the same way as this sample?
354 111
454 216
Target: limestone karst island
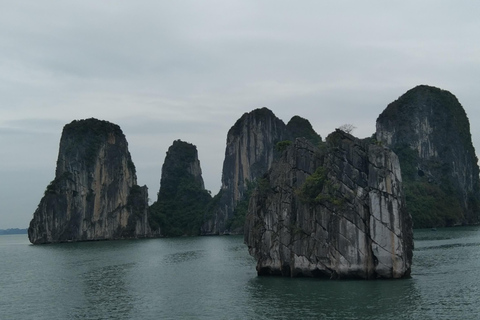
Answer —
339 207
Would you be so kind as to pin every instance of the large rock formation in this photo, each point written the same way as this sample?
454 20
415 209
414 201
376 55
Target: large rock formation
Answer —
252 145
182 199
337 212
248 155
429 130
94 195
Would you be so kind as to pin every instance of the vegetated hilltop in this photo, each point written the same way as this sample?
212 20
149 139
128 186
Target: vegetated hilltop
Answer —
182 199
430 132
94 195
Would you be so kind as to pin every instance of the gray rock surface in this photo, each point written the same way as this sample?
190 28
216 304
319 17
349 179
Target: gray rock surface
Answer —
338 212
94 195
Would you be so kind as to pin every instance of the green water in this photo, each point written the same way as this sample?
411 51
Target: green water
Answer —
214 278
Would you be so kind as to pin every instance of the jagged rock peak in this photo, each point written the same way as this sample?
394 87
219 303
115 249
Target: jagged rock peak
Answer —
94 195
182 198
429 130
335 212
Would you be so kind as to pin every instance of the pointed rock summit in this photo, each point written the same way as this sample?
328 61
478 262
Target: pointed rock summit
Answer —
430 132
94 195
182 199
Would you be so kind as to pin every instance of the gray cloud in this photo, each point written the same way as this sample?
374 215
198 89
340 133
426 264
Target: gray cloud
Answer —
188 70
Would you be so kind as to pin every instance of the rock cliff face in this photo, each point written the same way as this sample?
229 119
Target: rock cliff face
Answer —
429 130
94 195
249 153
337 212
182 198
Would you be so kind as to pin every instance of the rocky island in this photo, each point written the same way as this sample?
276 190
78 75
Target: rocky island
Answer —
182 199
334 211
94 195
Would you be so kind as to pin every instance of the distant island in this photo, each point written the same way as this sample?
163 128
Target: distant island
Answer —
13 231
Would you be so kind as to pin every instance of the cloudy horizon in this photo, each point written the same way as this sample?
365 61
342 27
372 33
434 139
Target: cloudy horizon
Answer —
188 70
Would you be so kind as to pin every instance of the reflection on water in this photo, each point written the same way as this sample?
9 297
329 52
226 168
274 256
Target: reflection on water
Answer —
215 278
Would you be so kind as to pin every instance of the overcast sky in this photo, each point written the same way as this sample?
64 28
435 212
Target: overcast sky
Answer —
167 70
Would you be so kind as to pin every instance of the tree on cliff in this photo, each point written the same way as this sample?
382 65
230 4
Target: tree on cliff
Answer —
347 128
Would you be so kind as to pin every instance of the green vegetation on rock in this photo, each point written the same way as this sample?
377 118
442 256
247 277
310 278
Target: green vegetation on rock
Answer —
442 102
431 206
136 200
311 191
262 187
429 130
431 203
89 135
182 199
318 189
238 220
282 145
300 127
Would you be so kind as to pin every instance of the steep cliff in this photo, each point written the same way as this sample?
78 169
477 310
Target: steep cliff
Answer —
249 153
429 130
94 195
336 212
182 199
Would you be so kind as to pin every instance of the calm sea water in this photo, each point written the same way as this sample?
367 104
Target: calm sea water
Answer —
215 278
